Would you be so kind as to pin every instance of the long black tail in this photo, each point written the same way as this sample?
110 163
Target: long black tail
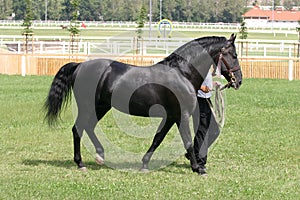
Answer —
59 92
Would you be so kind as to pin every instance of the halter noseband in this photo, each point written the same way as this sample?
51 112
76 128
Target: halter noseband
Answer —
229 70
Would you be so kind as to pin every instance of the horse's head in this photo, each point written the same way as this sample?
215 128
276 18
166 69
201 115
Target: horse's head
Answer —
229 65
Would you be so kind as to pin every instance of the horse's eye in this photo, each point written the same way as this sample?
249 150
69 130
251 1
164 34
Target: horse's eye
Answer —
234 55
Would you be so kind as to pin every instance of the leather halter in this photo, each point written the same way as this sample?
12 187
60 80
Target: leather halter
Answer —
229 70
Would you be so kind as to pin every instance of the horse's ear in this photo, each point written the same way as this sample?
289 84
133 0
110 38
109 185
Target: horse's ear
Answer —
232 38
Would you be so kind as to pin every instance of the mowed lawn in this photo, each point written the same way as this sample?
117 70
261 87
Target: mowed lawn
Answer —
182 33
257 155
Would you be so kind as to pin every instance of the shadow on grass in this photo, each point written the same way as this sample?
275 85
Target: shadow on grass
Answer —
68 164
174 167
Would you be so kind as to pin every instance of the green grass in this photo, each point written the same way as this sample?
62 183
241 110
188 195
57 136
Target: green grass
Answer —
255 157
117 32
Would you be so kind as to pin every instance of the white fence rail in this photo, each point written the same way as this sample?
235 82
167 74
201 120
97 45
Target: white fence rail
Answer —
127 45
130 24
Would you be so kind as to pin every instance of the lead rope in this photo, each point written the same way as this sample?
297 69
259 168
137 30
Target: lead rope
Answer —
218 110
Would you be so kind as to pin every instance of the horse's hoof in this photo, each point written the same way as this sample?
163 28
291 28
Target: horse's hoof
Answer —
205 175
99 160
83 169
144 170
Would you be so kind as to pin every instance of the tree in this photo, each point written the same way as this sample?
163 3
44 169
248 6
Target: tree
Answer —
27 23
54 9
140 21
243 30
288 4
126 10
74 23
66 12
5 9
168 7
243 34
89 10
232 11
19 8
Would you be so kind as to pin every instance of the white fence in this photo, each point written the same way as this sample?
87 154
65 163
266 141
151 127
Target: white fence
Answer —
259 59
276 27
128 45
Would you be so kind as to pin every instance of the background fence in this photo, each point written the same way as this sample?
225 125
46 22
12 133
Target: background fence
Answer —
125 45
258 59
276 68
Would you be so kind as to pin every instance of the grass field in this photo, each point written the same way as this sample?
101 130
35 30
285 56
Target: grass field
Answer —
117 32
257 155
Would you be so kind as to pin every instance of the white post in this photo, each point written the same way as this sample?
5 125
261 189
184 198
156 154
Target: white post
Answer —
291 71
64 47
41 47
88 48
23 65
19 47
291 68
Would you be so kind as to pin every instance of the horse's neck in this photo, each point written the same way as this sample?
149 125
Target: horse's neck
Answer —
194 60
198 63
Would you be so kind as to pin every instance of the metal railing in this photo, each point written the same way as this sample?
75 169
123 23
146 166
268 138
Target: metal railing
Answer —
126 45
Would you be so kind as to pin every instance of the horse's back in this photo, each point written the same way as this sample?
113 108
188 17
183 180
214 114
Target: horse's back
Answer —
131 89
144 91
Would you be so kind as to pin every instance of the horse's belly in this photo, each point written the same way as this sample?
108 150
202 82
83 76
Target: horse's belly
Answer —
147 98
142 109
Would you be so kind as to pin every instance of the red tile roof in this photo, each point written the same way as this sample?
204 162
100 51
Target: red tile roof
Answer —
278 15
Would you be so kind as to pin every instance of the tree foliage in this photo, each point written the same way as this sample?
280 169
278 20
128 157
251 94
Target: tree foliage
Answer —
243 31
74 23
140 21
127 10
27 22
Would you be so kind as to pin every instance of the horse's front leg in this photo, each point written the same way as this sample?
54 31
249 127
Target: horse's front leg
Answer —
162 131
185 133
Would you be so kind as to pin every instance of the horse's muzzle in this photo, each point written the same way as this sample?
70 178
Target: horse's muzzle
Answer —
236 84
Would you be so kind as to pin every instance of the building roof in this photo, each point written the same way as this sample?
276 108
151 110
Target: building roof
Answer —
279 15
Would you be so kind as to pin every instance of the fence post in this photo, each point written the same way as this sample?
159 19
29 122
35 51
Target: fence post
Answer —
19 47
64 47
88 48
291 70
291 62
23 65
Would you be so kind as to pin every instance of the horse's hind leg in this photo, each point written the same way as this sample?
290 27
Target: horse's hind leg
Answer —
90 129
77 133
88 124
162 131
99 157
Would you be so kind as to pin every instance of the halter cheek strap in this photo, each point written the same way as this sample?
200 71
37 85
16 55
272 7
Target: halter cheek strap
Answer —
222 59
229 70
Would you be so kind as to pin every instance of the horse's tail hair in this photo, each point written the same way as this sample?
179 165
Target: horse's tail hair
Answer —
60 92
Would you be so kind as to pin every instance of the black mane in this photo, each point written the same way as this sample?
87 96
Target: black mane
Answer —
191 49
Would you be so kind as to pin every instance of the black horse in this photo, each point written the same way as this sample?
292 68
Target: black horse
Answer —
166 89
